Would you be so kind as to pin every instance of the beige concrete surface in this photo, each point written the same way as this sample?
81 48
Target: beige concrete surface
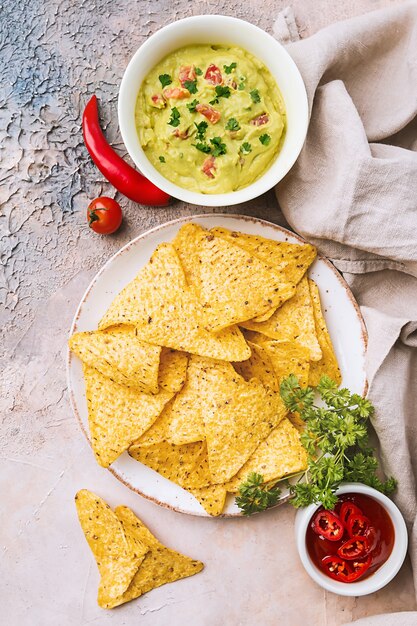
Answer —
53 56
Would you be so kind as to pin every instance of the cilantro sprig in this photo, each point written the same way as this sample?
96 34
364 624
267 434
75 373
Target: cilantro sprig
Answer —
232 124
221 92
174 120
337 444
229 68
165 80
191 85
191 106
254 496
254 94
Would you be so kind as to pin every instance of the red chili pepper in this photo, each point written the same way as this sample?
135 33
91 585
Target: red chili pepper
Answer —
120 174
358 569
353 548
347 509
357 525
328 525
337 568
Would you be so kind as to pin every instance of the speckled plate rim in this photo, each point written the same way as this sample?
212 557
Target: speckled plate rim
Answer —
149 233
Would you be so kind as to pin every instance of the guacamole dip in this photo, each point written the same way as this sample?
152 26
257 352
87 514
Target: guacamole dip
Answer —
211 119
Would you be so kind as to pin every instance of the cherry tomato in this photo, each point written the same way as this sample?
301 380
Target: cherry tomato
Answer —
357 525
186 73
104 215
354 548
213 75
347 509
358 568
337 568
328 525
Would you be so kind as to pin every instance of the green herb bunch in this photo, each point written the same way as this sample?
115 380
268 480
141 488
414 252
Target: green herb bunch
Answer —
254 496
337 444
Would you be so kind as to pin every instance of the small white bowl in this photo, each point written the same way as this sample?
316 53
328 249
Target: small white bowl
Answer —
378 579
216 29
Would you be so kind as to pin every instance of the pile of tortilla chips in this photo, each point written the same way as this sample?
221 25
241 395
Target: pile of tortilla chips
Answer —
131 561
185 368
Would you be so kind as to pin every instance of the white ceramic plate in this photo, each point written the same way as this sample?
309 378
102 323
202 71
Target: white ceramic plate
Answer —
343 319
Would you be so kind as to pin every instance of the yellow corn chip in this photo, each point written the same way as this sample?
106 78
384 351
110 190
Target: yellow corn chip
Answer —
237 417
287 259
286 357
212 498
293 321
296 421
118 558
328 363
185 465
258 366
118 415
165 311
118 354
232 284
173 370
279 455
161 564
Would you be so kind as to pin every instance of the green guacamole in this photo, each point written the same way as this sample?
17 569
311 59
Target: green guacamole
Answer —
211 119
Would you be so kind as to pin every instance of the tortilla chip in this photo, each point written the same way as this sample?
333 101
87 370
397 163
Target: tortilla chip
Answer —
297 421
165 311
286 357
118 559
280 454
118 354
287 259
328 363
185 465
161 564
237 417
173 370
232 284
293 321
212 498
117 415
258 366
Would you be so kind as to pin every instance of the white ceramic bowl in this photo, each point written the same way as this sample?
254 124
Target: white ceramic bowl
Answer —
378 579
216 29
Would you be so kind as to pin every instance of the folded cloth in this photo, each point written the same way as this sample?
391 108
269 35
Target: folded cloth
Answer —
353 193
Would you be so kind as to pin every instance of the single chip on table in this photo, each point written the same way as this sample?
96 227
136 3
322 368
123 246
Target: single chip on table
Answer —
118 354
131 561
117 559
166 312
118 415
328 363
287 357
287 259
232 284
185 465
293 321
237 417
280 454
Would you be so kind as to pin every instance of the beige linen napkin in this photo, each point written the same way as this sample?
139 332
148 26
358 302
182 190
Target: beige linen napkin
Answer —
353 192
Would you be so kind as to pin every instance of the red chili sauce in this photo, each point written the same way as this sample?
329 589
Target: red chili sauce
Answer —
351 542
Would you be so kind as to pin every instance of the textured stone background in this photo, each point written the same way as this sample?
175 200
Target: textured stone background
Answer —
53 55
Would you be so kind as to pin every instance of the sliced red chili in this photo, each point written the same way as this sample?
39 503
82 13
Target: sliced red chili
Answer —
358 569
337 568
347 509
353 548
357 525
328 525
371 535
120 174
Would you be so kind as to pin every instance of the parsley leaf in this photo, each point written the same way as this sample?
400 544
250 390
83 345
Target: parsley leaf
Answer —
218 146
228 68
203 147
254 94
198 71
165 79
221 92
201 130
232 124
162 159
175 117
245 148
191 106
265 139
255 496
191 85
